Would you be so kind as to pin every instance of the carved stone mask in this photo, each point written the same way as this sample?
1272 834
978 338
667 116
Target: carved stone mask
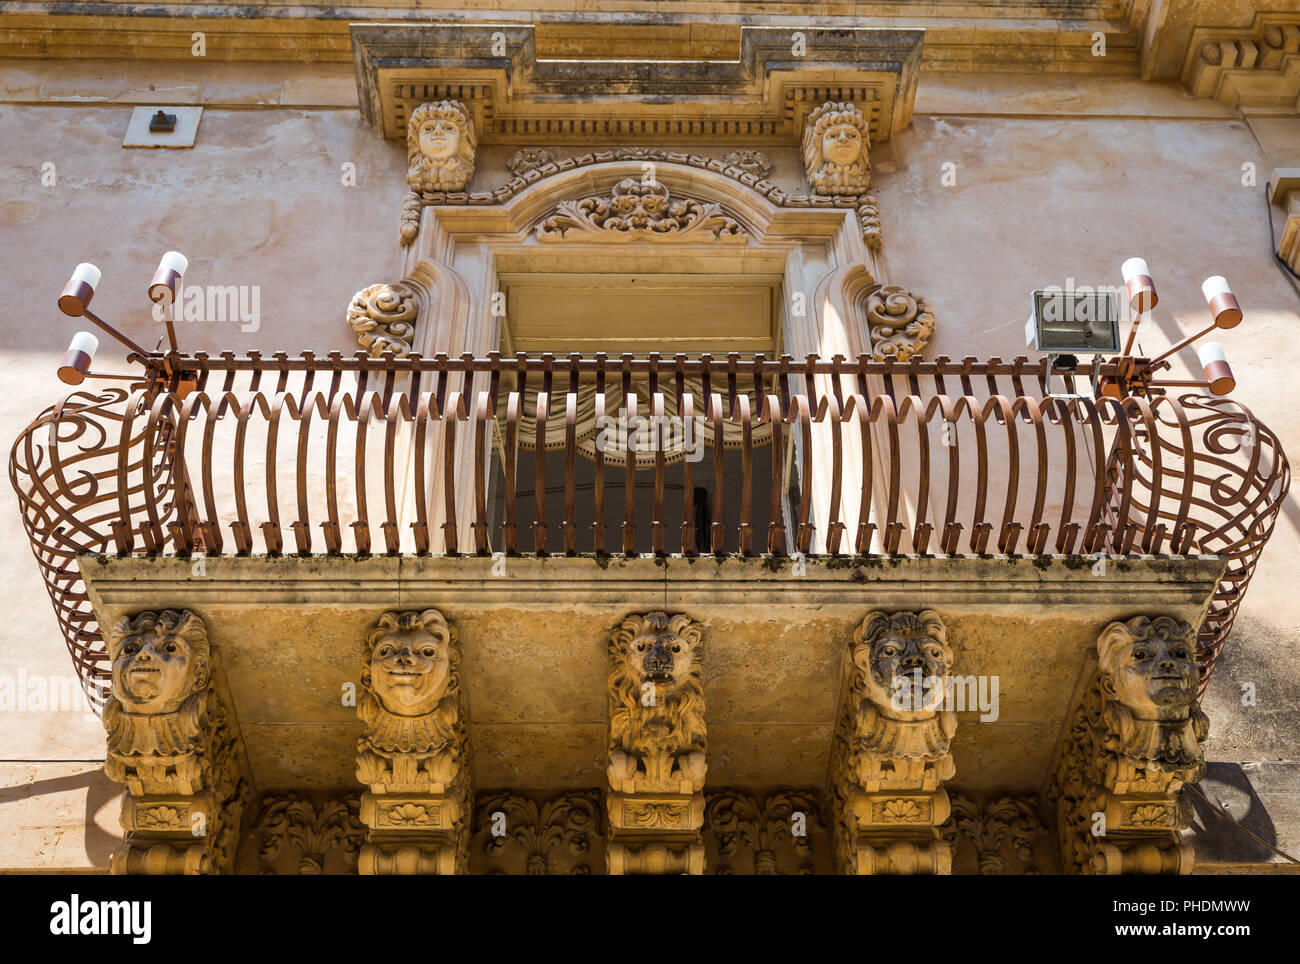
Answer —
842 144
1155 677
153 671
905 659
410 669
439 138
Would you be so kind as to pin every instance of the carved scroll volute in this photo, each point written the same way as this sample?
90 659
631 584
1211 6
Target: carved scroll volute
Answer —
900 323
440 149
891 754
656 745
170 741
383 318
1134 743
836 145
413 757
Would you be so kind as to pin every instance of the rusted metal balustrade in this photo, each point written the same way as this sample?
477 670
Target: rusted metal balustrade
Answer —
948 457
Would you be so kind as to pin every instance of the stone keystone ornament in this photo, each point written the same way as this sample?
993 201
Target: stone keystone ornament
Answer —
836 139
440 149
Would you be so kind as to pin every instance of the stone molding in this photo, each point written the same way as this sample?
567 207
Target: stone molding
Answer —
1254 68
762 96
640 210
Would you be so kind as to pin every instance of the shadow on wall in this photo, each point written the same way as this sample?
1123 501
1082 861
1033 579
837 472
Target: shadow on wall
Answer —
100 791
1214 838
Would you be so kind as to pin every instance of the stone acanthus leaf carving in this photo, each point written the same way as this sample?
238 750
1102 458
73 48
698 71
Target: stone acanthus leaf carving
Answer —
413 754
440 149
891 754
529 159
568 821
382 317
751 162
636 209
291 823
997 830
900 323
1134 743
656 745
836 140
764 828
171 742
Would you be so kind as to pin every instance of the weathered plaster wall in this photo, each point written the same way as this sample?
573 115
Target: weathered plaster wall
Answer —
1056 178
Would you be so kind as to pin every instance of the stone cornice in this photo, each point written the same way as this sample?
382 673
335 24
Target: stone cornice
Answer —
1255 69
960 37
519 96
419 582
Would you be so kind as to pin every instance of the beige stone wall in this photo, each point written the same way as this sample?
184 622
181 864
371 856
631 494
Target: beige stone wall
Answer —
1056 178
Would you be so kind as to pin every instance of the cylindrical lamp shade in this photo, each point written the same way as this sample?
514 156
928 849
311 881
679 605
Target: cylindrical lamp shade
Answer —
1137 280
1216 369
167 277
78 358
1222 302
79 290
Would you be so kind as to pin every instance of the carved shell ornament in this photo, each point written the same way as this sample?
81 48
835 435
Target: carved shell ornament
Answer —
383 318
637 209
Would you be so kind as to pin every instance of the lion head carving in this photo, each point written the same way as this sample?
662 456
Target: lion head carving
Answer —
835 141
656 692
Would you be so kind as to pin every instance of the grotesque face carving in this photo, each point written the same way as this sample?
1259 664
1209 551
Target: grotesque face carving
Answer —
410 661
440 145
159 660
842 144
439 138
835 142
664 654
1149 666
905 659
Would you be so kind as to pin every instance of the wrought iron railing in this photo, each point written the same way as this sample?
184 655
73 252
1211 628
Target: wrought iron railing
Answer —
304 455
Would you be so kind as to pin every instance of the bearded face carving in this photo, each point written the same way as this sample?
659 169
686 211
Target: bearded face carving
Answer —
409 664
159 659
1149 666
835 142
905 660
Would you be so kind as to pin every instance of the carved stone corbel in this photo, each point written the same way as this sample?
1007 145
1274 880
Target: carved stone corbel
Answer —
657 735
171 741
414 755
1134 743
891 753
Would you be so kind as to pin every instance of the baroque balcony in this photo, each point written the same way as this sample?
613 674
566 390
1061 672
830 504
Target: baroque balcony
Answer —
291 499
